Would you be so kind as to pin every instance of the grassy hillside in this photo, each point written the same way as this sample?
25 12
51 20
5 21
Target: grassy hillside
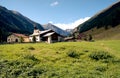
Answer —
100 59
103 24
102 34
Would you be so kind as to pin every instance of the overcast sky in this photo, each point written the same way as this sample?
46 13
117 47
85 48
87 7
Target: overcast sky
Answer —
66 14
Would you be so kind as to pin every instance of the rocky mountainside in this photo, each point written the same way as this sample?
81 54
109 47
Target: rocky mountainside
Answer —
69 30
56 29
12 21
103 25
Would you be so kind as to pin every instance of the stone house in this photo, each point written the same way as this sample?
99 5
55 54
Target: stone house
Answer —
15 37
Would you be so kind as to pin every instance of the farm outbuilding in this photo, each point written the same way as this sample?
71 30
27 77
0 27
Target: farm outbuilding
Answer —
15 37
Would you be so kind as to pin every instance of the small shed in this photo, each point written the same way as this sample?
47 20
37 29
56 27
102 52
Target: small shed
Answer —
15 37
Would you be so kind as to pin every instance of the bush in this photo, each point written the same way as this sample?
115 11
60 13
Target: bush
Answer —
36 72
31 57
16 72
86 51
62 48
101 68
90 37
12 69
116 60
101 55
12 63
73 54
31 48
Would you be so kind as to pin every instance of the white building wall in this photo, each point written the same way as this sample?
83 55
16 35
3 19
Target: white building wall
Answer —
49 39
38 38
31 39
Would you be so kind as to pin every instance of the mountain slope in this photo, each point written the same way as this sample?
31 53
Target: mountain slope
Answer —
12 21
102 23
56 29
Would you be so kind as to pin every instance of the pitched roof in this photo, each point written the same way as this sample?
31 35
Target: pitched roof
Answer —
69 38
19 35
49 34
45 33
42 32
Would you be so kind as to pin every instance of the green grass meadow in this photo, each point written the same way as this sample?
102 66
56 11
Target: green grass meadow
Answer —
99 59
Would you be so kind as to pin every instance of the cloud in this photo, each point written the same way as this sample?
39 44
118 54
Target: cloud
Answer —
71 25
54 3
50 22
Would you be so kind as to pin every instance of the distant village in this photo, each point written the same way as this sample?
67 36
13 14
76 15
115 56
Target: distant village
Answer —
48 36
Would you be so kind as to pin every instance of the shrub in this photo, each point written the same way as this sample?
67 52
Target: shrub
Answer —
16 72
31 57
62 48
90 37
86 50
73 54
101 55
22 48
36 72
21 39
116 60
31 48
101 68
